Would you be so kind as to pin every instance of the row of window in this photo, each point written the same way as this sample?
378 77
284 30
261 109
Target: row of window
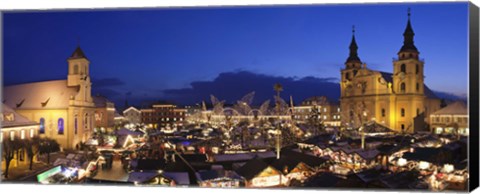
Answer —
163 114
403 87
61 125
450 119
162 119
402 112
403 68
132 114
22 134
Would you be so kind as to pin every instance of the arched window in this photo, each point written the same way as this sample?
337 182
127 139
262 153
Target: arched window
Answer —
347 75
417 87
42 126
418 111
383 112
417 69
86 121
60 126
403 68
76 124
75 69
402 112
402 87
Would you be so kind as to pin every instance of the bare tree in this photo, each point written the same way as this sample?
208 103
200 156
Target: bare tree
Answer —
48 146
31 147
10 146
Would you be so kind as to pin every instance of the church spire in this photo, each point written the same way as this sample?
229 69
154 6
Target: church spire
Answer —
353 57
78 54
408 45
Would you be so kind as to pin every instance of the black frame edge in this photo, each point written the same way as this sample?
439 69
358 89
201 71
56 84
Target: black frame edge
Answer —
473 97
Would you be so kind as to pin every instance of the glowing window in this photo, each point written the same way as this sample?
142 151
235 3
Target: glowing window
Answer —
22 134
32 132
12 135
42 126
60 126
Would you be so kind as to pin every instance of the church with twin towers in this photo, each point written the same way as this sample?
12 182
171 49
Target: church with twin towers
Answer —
399 100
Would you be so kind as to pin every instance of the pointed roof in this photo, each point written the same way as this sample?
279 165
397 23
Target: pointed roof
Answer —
53 94
408 45
456 108
13 119
78 54
353 57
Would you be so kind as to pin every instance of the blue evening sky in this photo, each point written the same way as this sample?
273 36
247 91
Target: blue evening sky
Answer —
149 50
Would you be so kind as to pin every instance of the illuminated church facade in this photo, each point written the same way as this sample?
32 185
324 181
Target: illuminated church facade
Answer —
398 100
63 108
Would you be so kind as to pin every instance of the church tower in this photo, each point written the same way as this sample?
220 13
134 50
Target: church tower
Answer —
408 68
352 65
408 83
78 75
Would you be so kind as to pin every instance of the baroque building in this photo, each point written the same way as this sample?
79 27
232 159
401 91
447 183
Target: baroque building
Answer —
64 109
398 100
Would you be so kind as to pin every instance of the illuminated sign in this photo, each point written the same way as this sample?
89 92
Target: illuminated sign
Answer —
266 181
43 176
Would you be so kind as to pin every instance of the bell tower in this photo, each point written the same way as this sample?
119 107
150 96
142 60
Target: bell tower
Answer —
78 75
408 83
352 65
408 68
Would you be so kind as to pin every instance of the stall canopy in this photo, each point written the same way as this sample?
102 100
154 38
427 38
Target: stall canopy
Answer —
126 132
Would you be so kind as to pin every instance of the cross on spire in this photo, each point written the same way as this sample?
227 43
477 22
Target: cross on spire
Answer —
409 13
353 56
408 43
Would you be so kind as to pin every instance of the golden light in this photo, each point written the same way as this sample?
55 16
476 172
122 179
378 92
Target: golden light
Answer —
129 138
423 165
401 162
448 168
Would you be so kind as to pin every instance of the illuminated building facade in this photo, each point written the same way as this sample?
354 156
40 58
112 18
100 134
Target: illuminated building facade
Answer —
451 119
104 113
162 114
133 115
328 112
393 99
63 108
16 126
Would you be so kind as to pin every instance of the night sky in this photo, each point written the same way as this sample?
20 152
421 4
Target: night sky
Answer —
186 54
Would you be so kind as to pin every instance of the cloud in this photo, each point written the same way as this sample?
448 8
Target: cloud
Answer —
231 86
105 92
107 82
